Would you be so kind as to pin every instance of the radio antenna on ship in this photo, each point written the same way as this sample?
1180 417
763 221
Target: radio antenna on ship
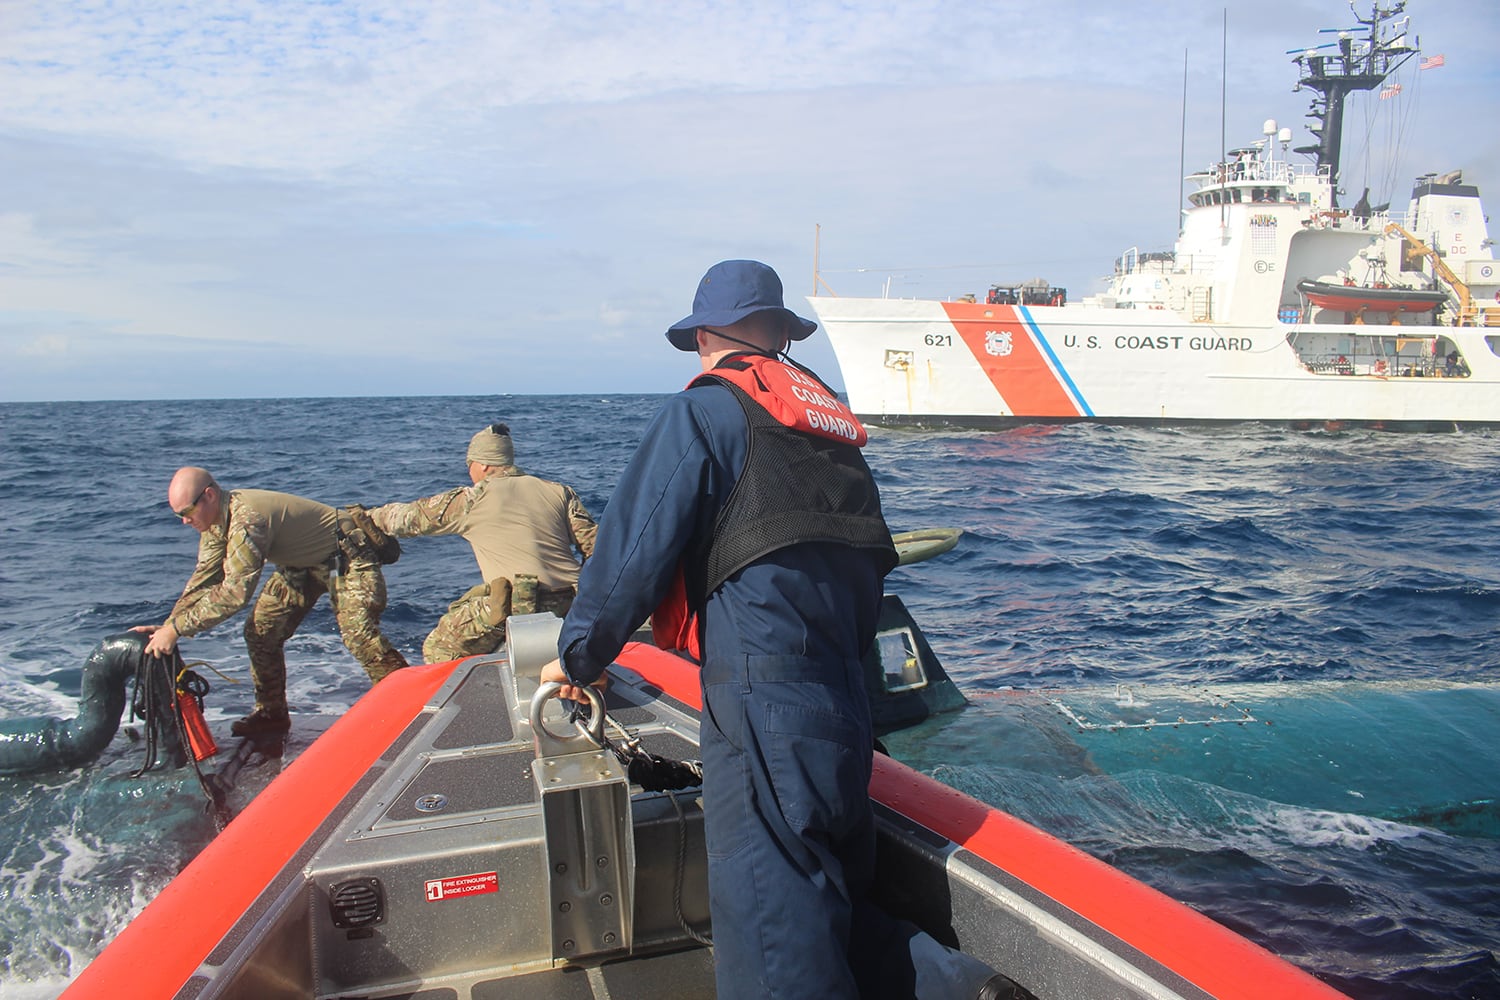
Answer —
1182 146
1223 116
817 249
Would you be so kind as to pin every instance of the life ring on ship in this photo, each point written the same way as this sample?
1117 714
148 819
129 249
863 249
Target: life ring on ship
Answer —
1380 368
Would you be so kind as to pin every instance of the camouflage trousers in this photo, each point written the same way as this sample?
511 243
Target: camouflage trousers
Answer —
475 623
358 599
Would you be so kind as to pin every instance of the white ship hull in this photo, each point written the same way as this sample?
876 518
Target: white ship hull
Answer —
912 361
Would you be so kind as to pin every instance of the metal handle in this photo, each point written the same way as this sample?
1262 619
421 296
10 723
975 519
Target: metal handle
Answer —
530 642
548 743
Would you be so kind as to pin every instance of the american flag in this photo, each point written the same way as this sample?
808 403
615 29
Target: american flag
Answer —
1390 91
1431 62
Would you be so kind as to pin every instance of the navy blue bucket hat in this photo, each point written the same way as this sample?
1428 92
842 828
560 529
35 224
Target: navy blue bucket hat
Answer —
730 291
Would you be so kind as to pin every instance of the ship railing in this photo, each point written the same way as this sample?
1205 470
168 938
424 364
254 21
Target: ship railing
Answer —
1348 218
1392 368
1259 171
1135 261
1391 358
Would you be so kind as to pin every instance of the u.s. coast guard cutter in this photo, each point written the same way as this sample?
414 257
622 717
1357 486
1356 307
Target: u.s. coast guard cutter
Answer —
1278 303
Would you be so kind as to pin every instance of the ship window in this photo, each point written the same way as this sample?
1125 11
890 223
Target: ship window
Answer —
899 663
1494 344
1409 260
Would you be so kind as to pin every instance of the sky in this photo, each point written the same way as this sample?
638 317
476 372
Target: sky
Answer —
246 198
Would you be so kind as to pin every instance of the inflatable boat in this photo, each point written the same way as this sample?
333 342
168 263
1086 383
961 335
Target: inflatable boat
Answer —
456 837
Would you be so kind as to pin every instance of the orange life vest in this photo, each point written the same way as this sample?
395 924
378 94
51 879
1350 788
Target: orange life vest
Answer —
797 399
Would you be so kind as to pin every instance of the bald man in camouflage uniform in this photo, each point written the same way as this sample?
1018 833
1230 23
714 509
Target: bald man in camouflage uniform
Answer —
315 549
523 530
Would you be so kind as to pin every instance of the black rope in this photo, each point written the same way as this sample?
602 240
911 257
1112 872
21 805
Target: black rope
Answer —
191 683
642 767
153 677
657 774
704 939
160 684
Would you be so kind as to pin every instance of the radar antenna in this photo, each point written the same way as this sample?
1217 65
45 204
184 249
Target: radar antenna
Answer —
1361 63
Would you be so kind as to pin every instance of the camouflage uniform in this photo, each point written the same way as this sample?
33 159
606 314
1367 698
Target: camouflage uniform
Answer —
301 538
523 531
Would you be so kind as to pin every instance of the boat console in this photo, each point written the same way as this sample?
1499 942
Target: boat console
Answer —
491 847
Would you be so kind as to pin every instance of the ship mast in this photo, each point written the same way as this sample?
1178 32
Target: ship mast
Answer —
1363 61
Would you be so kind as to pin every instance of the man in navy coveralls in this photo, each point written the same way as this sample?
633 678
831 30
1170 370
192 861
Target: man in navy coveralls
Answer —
783 567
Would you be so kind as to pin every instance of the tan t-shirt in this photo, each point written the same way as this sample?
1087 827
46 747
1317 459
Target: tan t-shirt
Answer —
515 524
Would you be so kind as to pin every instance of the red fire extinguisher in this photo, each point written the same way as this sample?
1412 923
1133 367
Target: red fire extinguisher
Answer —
190 691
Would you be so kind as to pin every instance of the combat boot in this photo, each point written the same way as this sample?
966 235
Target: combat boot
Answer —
999 987
383 667
262 721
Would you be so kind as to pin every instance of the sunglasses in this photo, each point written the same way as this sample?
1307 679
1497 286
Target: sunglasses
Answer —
187 511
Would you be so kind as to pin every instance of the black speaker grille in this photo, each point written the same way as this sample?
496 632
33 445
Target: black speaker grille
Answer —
357 903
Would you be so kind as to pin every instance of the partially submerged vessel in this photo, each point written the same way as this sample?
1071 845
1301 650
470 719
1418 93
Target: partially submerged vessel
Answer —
1420 753
442 840
1276 304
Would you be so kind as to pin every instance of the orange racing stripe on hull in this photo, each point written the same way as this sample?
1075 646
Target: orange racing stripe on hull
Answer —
1205 953
1011 359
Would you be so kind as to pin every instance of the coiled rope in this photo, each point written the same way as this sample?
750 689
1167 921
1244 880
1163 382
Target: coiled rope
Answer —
160 683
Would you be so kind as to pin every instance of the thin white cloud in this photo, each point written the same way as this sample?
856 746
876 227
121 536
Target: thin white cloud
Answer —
322 86
24 250
46 346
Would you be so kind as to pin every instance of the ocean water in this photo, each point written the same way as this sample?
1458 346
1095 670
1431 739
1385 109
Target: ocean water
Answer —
1252 557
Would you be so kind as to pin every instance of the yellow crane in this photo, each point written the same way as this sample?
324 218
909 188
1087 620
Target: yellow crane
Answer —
1414 248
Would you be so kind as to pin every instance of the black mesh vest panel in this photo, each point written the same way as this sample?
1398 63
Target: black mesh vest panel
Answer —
795 487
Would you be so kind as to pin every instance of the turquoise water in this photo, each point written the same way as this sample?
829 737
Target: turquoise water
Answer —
1250 558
